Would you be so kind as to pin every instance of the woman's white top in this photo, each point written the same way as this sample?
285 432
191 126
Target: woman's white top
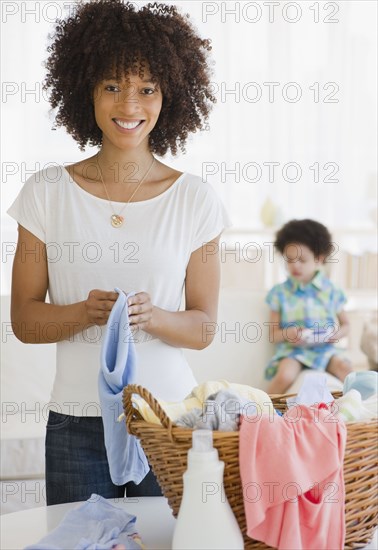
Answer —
150 253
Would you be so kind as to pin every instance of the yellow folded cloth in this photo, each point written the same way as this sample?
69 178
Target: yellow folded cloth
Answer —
197 397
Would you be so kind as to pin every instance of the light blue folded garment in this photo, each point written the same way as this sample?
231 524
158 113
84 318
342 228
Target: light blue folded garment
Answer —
127 461
95 525
313 390
366 382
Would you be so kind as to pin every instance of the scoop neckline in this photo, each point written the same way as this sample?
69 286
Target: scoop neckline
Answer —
83 191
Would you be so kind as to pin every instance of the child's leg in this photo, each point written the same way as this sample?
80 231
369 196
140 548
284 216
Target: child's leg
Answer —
287 371
339 367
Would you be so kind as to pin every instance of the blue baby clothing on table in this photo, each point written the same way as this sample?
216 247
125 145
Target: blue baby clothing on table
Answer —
314 305
95 525
127 461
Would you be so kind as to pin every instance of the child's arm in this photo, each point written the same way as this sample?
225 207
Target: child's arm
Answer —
343 329
277 334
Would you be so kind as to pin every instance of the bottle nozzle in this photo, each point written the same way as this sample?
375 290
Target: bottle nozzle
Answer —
202 440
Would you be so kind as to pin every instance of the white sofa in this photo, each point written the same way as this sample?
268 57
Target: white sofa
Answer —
239 353
242 347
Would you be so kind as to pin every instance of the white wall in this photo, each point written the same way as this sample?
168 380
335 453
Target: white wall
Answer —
325 49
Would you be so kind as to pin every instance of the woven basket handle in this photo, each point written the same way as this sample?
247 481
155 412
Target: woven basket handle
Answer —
131 412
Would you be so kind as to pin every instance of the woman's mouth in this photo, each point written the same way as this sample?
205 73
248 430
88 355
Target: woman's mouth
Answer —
128 125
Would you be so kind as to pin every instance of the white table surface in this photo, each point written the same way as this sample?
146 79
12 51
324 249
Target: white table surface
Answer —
155 522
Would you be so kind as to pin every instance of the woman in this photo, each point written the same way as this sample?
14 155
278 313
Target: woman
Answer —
133 84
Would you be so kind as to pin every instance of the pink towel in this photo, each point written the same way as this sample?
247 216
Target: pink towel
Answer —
291 469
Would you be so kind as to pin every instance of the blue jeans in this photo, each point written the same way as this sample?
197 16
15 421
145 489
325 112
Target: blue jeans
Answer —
76 463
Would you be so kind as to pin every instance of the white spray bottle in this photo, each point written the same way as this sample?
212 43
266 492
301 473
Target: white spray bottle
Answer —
205 520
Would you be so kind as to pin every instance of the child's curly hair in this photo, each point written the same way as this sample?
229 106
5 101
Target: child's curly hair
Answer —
104 36
311 233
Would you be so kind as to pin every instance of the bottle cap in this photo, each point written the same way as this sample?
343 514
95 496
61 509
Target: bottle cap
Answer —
202 440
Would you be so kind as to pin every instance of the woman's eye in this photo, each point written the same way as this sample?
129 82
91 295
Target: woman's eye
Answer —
111 88
148 91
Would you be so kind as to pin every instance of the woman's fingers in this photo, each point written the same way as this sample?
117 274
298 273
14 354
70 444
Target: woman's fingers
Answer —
140 320
139 298
99 305
140 309
99 295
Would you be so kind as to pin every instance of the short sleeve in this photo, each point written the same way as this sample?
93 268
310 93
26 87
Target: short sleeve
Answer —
339 299
28 209
211 218
273 299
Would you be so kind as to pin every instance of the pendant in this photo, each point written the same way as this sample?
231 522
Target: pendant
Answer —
116 220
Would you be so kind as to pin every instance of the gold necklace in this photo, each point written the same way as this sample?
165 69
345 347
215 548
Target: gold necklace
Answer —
117 220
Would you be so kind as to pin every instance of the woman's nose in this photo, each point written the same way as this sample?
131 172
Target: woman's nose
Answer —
129 94
128 102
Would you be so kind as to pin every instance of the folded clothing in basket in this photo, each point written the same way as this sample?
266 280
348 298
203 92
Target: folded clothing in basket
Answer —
366 382
291 469
200 394
314 389
351 408
359 402
221 411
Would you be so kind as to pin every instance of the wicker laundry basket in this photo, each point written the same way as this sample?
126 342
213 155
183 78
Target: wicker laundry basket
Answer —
166 448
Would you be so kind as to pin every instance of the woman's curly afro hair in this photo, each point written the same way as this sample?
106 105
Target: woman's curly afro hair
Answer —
311 233
104 36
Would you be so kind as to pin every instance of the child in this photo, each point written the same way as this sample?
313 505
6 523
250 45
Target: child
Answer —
307 314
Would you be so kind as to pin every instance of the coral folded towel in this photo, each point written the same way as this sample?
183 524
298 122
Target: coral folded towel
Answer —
127 461
291 469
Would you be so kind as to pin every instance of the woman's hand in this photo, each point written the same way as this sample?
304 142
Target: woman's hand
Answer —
194 327
98 306
140 310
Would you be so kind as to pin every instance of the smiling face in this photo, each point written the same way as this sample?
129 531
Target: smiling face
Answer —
301 262
126 111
